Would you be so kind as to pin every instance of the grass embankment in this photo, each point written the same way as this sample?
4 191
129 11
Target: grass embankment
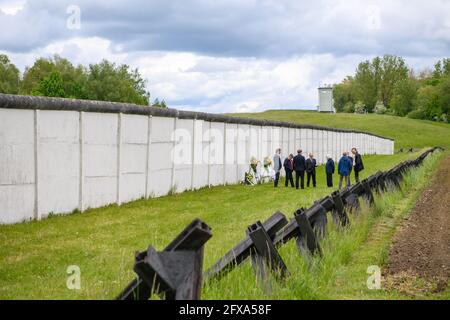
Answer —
407 133
34 256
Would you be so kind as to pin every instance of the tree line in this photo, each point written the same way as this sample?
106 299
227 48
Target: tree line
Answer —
58 77
387 85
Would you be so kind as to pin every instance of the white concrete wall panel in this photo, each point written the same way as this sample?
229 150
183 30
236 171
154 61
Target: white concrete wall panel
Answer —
160 168
319 152
16 147
182 154
315 142
100 159
58 161
291 142
266 142
231 166
17 169
303 139
243 152
285 147
276 139
310 141
133 157
16 203
160 155
216 151
201 140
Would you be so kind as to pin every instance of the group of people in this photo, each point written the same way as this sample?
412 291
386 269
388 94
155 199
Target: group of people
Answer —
299 164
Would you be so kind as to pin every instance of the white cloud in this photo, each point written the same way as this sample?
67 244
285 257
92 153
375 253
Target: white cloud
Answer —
244 83
221 56
11 7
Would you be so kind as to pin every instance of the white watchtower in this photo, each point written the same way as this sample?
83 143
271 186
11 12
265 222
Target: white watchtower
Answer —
326 99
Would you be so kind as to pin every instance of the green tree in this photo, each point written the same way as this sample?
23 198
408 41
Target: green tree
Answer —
110 82
73 78
375 80
404 96
427 104
159 104
104 81
33 75
442 68
366 84
50 86
343 93
349 107
444 95
393 70
9 76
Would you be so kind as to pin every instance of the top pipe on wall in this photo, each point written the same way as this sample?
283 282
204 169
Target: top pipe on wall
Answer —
9 101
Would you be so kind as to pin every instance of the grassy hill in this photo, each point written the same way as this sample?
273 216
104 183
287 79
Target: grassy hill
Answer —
406 132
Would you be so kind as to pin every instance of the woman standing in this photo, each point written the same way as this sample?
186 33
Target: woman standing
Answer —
359 166
288 168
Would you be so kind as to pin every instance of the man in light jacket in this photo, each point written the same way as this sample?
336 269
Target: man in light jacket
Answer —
344 169
277 165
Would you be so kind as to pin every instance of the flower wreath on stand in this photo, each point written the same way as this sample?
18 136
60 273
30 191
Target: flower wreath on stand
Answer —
266 175
251 177
267 162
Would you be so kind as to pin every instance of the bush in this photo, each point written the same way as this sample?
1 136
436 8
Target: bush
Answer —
349 107
380 108
416 114
360 108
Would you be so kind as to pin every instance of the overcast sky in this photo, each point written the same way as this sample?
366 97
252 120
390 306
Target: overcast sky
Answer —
229 55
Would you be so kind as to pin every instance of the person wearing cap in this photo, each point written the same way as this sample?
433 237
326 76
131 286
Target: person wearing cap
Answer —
344 169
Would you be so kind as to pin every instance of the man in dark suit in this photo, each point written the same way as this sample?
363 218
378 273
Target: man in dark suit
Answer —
359 166
288 168
299 167
329 170
311 165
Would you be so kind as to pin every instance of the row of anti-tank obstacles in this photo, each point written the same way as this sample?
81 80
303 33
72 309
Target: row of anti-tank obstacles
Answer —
176 272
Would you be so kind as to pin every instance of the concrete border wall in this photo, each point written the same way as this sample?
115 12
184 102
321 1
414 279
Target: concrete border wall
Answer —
59 155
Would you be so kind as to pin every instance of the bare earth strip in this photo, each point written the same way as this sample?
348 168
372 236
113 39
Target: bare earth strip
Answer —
421 247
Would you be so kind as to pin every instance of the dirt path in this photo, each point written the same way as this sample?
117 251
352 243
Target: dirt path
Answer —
421 247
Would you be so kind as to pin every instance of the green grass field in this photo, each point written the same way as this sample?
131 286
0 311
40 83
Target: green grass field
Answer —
406 132
34 256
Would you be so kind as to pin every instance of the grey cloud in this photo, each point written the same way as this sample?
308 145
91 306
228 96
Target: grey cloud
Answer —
245 28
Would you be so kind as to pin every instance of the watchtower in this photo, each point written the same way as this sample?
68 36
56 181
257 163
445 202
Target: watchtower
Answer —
326 99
